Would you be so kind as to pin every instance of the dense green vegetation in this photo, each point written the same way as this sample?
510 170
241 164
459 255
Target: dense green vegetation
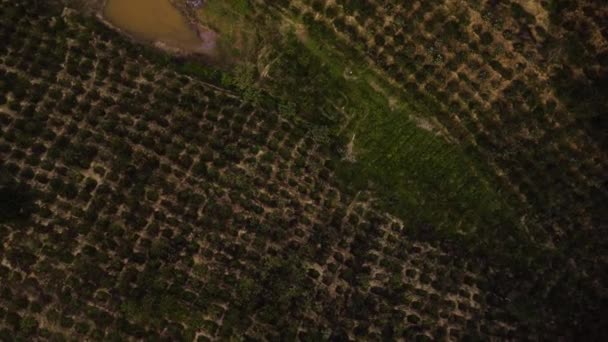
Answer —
366 170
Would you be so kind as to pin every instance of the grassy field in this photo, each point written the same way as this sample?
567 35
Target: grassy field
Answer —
416 170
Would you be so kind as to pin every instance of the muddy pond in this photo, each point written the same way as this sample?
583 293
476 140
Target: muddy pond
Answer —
159 22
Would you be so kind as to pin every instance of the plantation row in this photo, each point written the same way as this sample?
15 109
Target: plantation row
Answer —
165 208
486 93
483 72
520 90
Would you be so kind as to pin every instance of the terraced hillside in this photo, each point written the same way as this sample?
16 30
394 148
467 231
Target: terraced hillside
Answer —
149 197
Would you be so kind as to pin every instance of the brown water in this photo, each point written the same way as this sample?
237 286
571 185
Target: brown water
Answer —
154 20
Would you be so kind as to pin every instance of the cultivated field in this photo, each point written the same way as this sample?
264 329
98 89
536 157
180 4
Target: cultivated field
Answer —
355 170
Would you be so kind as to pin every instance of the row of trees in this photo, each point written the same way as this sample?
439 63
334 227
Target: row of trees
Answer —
181 209
102 135
425 64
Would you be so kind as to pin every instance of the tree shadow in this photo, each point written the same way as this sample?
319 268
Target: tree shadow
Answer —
17 200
